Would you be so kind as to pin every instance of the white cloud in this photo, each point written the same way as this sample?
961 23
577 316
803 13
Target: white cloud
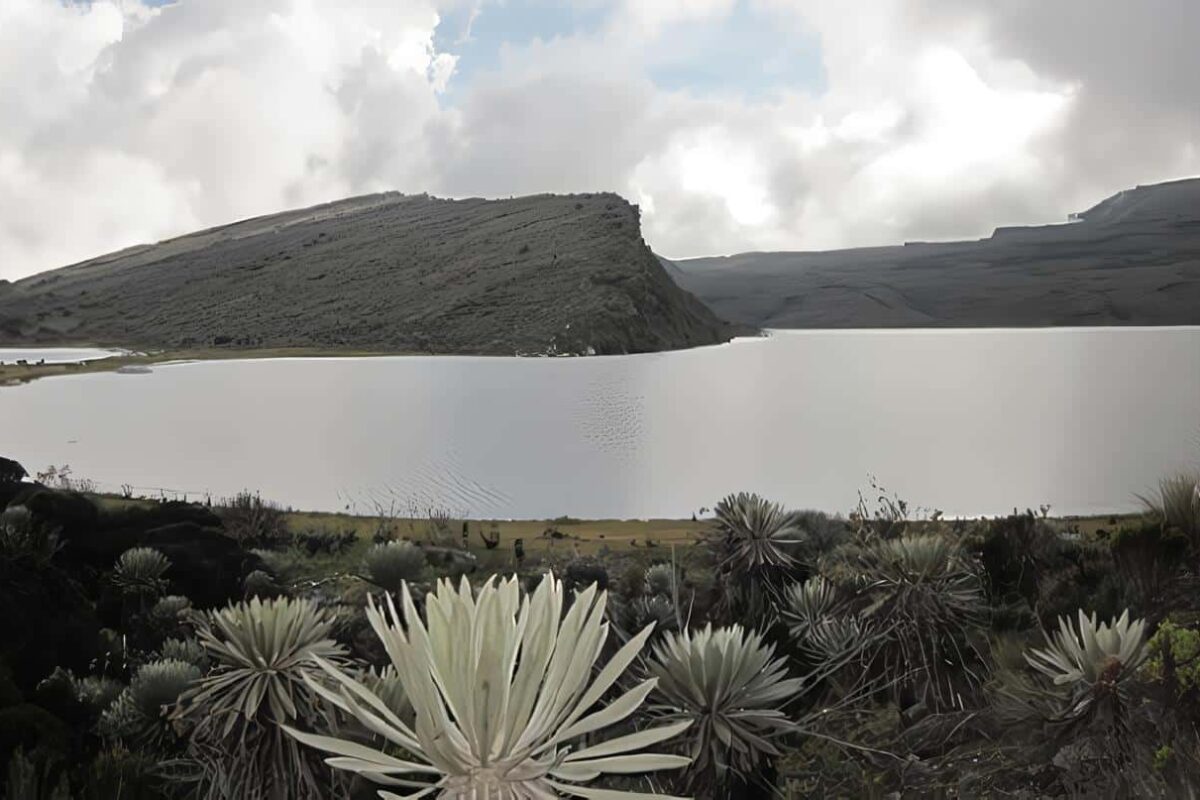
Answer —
938 118
648 19
133 125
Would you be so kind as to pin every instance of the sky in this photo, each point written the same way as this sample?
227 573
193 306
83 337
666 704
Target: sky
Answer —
735 125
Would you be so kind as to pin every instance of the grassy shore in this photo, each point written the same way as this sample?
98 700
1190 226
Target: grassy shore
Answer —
14 374
564 535
585 536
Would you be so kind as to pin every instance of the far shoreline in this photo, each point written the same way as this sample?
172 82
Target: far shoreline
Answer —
134 356
17 374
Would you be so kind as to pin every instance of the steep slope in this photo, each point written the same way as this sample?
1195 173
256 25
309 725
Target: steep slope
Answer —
384 272
1133 259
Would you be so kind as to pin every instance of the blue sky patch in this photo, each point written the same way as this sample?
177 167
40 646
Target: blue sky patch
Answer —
746 52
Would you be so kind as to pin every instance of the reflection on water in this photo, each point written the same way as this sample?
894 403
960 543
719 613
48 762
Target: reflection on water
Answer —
966 421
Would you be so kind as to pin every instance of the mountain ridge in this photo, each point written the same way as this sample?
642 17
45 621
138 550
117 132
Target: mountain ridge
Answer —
1131 259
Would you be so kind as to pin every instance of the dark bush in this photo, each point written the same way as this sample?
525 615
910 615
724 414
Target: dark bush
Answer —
330 542
1084 577
32 727
96 539
1013 551
70 513
10 694
632 582
11 471
259 583
119 773
45 622
821 533
144 518
1149 557
206 566
9 492
1027 562
582 574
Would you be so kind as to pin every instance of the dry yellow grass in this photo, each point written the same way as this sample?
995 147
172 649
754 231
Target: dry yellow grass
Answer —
585 536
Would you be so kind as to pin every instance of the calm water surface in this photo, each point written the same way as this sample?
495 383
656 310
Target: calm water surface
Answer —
971 422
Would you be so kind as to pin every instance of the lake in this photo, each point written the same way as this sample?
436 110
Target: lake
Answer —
967 421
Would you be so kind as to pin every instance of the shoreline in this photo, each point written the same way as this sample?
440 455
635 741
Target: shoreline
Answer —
19 374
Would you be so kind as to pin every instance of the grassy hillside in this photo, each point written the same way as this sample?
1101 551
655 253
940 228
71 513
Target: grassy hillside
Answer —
389 273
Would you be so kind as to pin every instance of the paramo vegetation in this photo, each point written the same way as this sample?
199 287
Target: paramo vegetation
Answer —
174 650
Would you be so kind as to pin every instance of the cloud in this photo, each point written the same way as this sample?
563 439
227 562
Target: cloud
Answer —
1136 115
921 133
925 119
133 124
636 18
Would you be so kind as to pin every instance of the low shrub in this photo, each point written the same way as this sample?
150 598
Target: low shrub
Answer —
264 656
1177 504
254 522
260 584
660 580
140 570
1173 659
390 565
1148 556
729 686
139 714
322 541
